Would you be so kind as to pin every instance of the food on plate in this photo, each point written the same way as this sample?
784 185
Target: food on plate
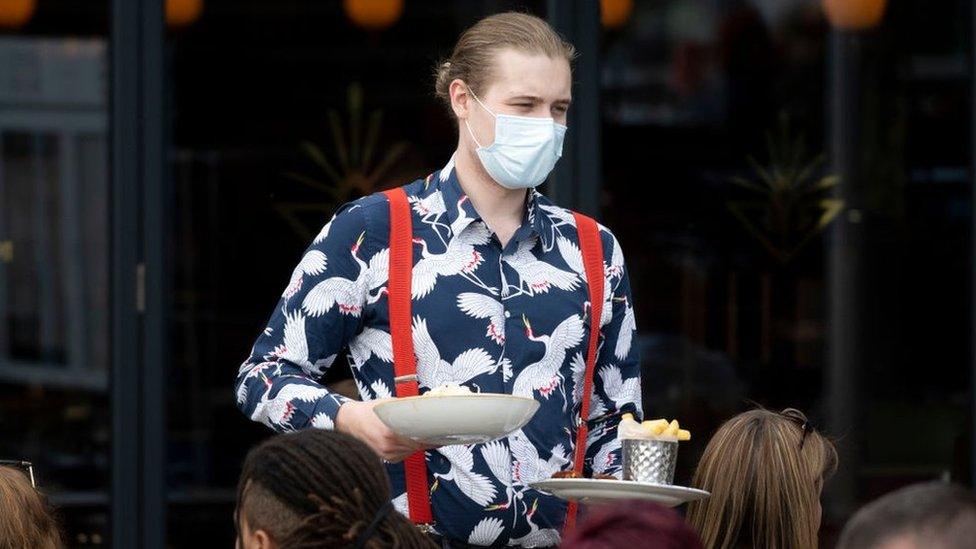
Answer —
574 474
449 389
659 429
567 474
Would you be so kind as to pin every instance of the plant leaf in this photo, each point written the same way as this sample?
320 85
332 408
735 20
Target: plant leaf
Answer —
832 208
372 137
392 155
827 182
338 138
749 185
355 101
808 170
738 210
763 174
317 156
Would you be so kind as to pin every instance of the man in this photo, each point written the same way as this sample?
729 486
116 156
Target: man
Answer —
933 515
500 303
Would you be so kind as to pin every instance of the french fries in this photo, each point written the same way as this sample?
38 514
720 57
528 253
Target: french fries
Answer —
652 428
656 426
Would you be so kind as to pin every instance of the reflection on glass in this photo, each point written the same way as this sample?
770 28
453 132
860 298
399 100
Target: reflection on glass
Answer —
54 246
733 270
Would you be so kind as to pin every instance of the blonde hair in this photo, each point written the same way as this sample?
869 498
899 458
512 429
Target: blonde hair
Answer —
764 470
26 519
472 58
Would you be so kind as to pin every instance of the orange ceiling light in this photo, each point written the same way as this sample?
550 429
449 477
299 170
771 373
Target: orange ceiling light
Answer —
373 14
16 13
614 13
854 15
182 13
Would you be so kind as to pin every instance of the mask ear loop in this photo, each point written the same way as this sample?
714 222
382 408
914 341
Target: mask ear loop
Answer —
466 120
480 103
472 134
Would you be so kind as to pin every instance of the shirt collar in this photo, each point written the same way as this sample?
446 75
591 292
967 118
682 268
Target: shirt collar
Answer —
461 213
538 219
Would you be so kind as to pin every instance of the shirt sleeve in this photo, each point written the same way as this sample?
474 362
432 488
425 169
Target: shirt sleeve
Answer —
617 381
318 314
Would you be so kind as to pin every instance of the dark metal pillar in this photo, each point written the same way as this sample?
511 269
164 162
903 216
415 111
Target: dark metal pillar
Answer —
138 387
972 306
846 270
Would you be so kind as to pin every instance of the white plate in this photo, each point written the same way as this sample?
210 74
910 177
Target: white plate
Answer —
443 420
590 490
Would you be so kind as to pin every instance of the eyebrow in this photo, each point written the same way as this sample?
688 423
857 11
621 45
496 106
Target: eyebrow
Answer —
537 99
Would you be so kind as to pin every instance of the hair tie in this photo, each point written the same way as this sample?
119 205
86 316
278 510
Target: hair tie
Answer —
370 530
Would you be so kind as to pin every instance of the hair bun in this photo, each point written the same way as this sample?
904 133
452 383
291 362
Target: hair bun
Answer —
442 80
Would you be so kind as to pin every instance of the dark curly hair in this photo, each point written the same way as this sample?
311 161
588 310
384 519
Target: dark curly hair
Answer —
318 488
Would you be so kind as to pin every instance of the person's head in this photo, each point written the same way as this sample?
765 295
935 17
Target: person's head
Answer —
632 524
507 64
933 515
26 519
765 471
318 488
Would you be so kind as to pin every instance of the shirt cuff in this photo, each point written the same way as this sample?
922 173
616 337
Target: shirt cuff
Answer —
327 410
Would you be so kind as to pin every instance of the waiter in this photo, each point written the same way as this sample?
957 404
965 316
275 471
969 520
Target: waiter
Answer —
500 303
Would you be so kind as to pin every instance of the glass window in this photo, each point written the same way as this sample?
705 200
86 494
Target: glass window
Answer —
54 246
796 207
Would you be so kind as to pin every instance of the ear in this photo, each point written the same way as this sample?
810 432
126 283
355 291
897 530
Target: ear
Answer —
254 539
263 541
460 98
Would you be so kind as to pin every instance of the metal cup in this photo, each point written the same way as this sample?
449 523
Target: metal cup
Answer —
650 460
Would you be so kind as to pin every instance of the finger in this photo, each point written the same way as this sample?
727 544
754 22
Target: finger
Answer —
390 453
396 446
392 438
396 456
405 449
410 443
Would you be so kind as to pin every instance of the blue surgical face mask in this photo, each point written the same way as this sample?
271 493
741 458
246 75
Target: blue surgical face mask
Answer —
525 149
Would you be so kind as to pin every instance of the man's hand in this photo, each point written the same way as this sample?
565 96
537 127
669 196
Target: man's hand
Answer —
359 420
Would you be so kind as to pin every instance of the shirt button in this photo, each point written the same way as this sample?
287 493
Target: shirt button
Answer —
508 314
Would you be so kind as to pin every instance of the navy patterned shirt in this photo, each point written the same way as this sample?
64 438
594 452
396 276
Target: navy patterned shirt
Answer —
497 319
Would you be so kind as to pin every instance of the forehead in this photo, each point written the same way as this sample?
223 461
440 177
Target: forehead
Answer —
904 541
516 73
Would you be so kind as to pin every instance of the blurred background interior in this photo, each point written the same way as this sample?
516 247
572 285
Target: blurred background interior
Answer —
791 179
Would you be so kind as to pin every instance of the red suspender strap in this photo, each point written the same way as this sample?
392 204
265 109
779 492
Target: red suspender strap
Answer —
404 361
592 249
